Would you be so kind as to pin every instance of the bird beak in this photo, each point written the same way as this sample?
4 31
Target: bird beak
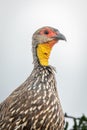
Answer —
60 36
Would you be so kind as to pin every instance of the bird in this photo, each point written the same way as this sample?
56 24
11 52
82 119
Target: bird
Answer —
35 104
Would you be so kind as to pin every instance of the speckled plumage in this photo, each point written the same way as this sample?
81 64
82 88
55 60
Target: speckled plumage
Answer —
34 105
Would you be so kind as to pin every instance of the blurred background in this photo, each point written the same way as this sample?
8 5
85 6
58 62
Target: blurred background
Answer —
19 19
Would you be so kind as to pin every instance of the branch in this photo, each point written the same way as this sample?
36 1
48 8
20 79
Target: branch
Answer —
72 117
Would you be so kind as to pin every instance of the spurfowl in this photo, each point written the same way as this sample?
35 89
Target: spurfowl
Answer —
35 104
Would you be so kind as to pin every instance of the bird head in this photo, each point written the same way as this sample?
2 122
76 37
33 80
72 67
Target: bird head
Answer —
43 41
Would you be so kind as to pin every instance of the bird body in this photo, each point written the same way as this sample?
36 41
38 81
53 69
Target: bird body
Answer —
35 104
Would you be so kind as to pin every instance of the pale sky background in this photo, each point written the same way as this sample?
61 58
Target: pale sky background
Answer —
18 21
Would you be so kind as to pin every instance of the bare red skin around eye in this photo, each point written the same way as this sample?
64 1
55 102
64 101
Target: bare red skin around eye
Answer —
51 33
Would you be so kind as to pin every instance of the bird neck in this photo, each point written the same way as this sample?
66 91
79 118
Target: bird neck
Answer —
41 53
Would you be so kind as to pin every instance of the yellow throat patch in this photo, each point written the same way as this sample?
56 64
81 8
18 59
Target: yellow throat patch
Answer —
43 53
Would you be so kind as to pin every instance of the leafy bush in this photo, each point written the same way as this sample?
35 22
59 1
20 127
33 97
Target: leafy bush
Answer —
78 123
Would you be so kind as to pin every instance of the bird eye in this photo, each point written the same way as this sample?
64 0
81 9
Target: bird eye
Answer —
46 32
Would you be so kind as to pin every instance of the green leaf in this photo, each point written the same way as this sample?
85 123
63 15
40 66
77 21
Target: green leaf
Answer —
66 126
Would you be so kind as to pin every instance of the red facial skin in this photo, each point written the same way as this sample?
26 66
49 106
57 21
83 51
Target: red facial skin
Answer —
49 33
